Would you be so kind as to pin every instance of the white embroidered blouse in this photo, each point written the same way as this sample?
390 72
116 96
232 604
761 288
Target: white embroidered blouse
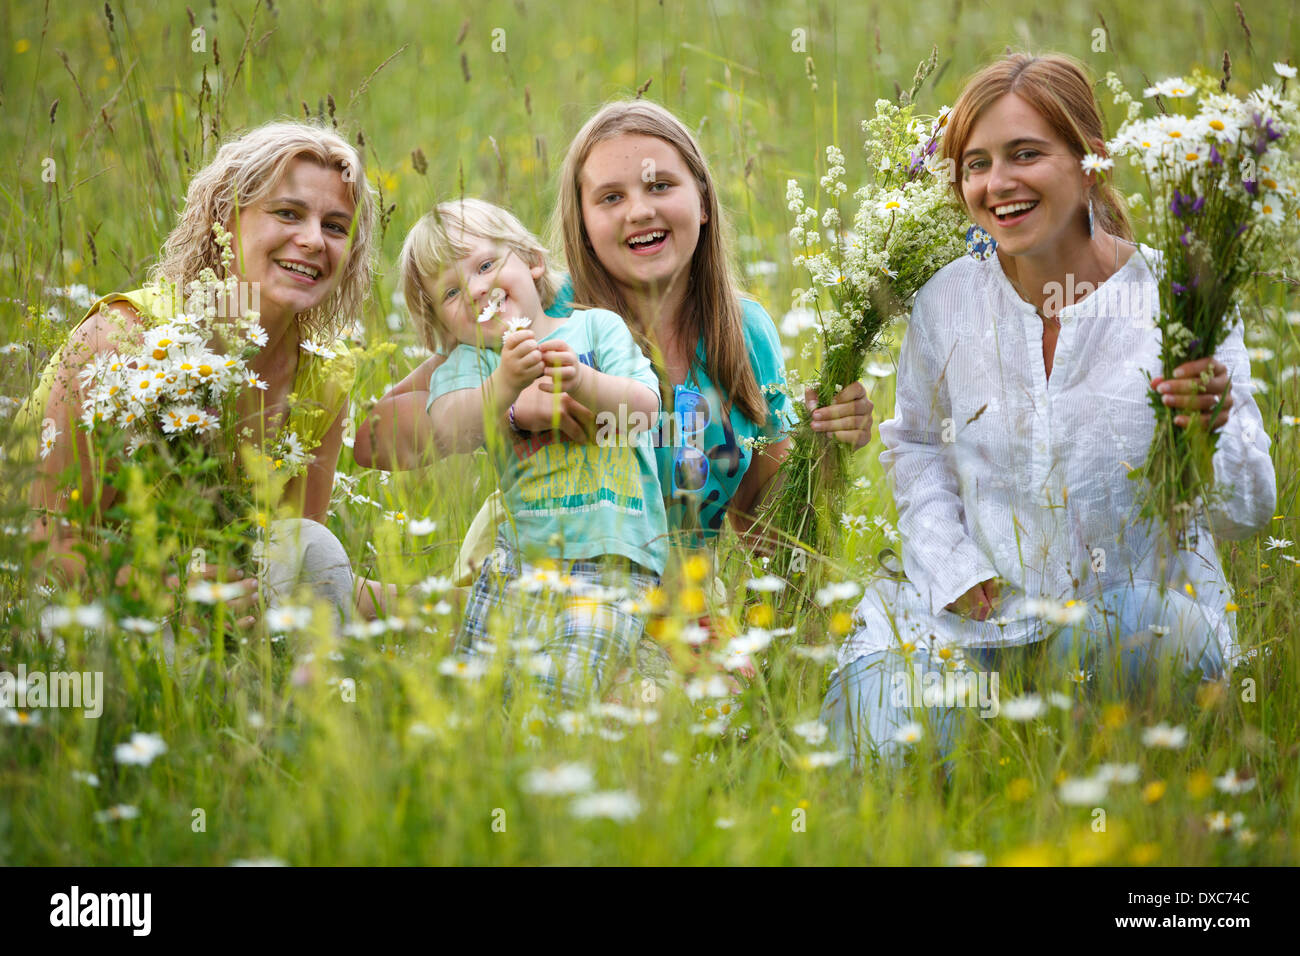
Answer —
999 471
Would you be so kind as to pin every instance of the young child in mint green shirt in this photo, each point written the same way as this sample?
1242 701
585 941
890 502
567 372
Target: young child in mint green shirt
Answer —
586 532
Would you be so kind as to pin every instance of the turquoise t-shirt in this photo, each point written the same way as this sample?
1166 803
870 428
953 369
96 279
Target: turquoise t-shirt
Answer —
577 501
702 512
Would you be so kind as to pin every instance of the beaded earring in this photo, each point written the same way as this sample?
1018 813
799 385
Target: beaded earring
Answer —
979 244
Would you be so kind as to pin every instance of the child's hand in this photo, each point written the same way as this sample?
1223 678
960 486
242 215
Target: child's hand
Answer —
538 409
562 367
521 360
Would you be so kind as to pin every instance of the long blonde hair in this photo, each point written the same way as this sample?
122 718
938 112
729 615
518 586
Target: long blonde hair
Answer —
438 239
711 310
1057 87
244 171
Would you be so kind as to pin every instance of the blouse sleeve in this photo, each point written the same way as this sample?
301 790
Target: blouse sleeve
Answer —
1243 470
939 555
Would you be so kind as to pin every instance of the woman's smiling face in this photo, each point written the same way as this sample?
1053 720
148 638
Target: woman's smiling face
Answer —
293 243
1021 182
643 210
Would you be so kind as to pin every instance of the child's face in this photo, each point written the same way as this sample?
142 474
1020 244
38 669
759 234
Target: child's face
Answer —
643 211
464 290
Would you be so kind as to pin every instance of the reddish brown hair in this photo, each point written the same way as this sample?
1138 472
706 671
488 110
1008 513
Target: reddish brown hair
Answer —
1057 86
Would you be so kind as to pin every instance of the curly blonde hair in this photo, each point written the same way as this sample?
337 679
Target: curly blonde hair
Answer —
244 171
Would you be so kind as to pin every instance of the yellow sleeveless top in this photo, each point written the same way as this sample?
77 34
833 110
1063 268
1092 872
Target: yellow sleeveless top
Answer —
320 385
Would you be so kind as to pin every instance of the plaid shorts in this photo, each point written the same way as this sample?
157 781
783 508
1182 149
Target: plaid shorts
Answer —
571 628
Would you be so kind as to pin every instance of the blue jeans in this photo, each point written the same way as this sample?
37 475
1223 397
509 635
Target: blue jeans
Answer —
1129 636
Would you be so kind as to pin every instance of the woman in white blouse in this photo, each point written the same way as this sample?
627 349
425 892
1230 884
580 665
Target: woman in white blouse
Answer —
1022 406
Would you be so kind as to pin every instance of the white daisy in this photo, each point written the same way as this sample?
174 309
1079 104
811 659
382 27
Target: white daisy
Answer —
140 750
1165 736
121 811
1093 163
1027 707
610 805
214 592
909 733
813 731
1173 87
465 668
1082 791
1231 783
495 298
288 618
561 780
1118 772
819 759
315 348
837 591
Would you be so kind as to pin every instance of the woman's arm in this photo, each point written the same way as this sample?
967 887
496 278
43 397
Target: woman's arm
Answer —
310 492
398 434
61 557
940 557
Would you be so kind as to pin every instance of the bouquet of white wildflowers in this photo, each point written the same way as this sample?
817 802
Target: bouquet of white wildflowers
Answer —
183 377
863 273
1221 175
166 398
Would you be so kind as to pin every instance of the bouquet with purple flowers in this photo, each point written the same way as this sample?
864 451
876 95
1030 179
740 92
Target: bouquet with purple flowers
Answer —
1221 181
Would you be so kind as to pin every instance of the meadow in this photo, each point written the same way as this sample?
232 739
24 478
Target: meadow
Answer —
310 749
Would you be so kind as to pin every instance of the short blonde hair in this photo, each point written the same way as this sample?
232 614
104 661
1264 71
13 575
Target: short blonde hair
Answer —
244 171
441 237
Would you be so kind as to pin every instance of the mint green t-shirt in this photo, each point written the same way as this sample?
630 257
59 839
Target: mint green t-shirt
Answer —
577 501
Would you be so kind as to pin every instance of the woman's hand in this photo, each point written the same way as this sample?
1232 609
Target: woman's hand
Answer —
848 418
979 602
1197 385
246 600
536 403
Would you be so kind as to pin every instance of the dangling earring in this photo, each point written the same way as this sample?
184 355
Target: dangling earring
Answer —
979 244
1090 226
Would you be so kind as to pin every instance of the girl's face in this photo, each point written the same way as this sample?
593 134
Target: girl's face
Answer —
643 210
1021 182
293 243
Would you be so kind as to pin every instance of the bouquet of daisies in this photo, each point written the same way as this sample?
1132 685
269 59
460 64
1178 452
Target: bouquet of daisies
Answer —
167 396
1221 173
863 273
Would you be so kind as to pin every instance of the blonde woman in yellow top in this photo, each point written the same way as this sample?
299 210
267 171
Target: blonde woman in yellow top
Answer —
295 198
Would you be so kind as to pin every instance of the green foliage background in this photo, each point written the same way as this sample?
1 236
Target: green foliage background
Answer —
128 110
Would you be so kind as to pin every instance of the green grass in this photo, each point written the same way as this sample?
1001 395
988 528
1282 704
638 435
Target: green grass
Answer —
269 746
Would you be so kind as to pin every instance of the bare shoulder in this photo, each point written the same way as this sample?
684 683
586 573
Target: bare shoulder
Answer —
109 327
